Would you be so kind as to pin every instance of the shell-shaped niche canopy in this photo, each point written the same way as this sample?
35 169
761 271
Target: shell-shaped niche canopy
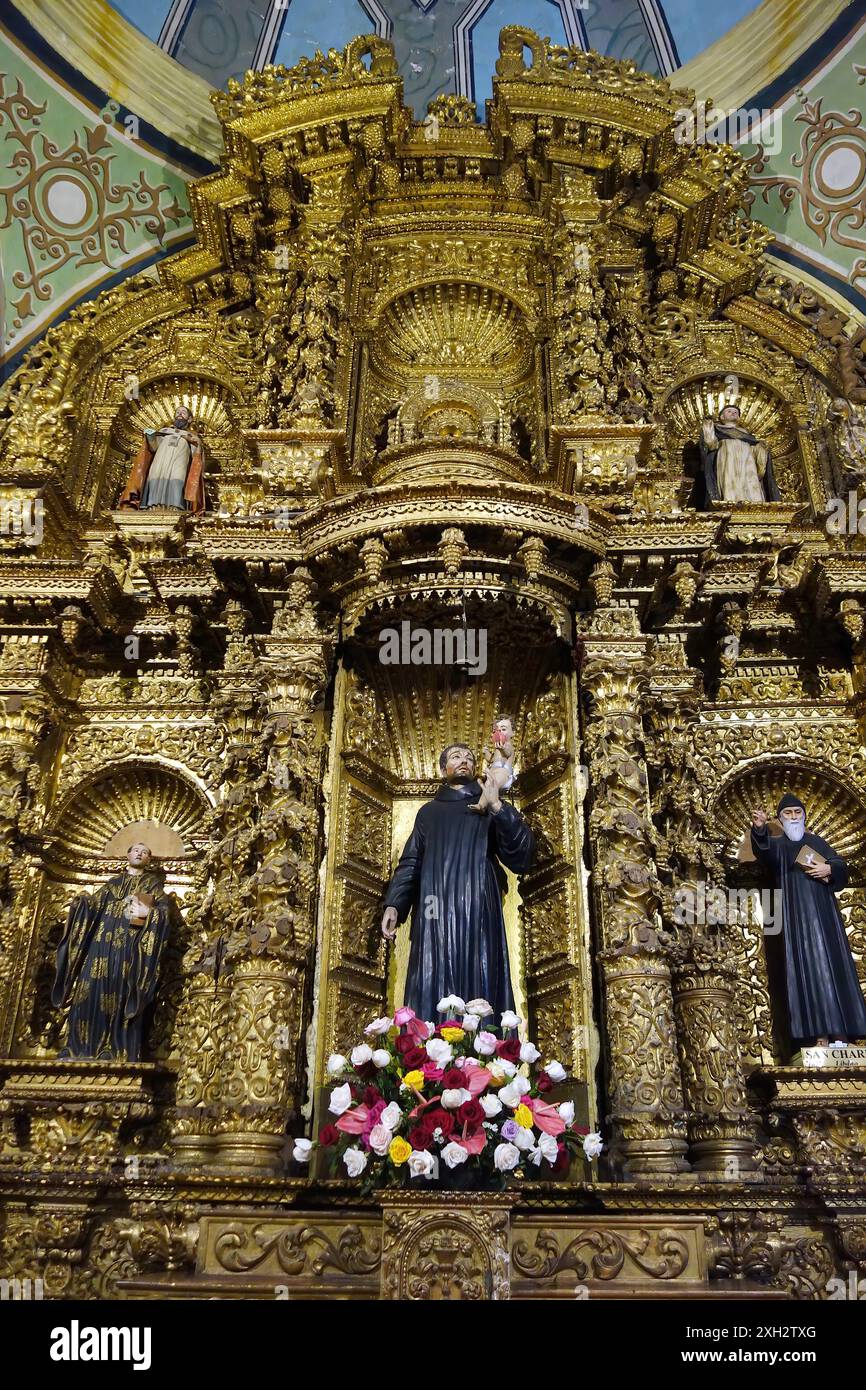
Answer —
452 325
157 402
104 816
762 411
832 811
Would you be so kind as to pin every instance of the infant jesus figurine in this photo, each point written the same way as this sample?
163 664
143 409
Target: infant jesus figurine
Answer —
499 773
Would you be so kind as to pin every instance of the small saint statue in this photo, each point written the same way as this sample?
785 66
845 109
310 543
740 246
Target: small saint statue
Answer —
737 467
499 760
168 471
108 960
825 1001
450 875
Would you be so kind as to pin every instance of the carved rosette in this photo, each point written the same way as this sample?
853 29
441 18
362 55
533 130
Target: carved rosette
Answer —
646 1110
721 1133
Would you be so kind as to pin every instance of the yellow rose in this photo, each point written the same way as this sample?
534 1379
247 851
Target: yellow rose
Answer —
523 1116
415 1080
399 1151
453 1035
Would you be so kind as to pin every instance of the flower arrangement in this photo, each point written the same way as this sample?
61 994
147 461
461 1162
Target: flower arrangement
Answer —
419 1098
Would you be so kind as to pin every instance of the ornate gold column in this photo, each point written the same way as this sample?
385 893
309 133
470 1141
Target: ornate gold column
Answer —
720 1129
645 1087
24 710
268 1013
226 904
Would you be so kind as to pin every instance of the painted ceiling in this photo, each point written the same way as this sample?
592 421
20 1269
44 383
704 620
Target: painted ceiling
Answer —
105 115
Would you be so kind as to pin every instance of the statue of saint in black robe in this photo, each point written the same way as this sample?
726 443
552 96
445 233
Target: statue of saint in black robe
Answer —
449 876
824 995
108 965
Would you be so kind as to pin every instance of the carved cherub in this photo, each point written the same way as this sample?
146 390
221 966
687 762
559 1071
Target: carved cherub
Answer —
499 757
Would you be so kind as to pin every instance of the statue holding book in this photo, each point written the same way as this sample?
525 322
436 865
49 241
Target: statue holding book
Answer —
825 1001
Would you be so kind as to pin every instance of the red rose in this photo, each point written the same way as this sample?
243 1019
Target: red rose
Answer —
413 1058
436 1118
470 1113
453 1079
328 1136
543 1082
371 1095
404 1043
509 1049
421 1137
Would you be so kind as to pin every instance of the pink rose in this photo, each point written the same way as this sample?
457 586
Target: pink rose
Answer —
485 1043
432 1072
404 1016
380 1138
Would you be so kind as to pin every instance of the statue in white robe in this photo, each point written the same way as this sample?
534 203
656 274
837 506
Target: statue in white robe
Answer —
737 467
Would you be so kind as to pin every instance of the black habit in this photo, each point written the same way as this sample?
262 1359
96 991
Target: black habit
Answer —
824 995
449 876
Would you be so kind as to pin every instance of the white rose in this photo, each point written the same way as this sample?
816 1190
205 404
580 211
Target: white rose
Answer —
361 1054
439 1051
593 1145
380 1139
491 1105
523 1138
529 1053
341 1099
514 1091
480 1007
555 1070
381 1057
510 1019
451 1001
470 1022
355 1160
451 1099
423 1165
500 1069
302 1150
391 1115
336 1064
506 1157
566 1111
548 1147
485 1043
454 1154
379 1026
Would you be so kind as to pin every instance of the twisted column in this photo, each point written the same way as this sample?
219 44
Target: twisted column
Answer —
647 1112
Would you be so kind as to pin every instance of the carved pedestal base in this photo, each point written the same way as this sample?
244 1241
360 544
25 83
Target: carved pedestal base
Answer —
71 1111
436 1247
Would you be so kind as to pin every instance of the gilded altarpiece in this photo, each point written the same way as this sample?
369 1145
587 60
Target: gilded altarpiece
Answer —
449 374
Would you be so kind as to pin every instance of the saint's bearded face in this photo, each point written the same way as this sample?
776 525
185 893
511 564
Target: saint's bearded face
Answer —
460 765
793 822
182 418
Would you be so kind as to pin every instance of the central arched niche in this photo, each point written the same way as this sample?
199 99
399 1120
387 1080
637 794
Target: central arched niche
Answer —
450 361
